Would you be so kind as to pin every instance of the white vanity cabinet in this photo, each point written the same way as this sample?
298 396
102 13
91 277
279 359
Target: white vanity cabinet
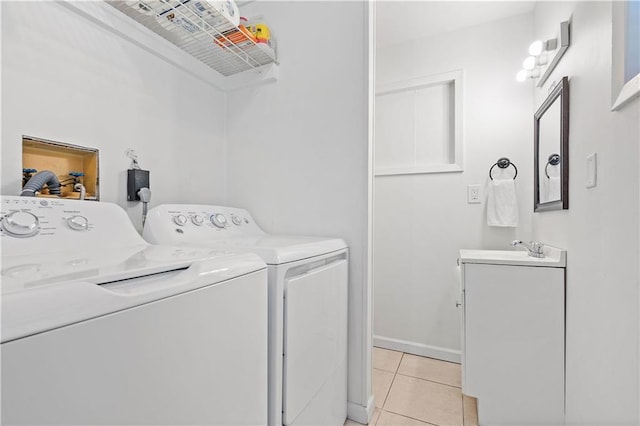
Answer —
513 335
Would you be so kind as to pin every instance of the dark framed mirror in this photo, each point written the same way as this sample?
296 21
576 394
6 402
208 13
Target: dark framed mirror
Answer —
551 150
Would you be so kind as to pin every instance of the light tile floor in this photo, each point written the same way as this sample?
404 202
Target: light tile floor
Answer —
411 390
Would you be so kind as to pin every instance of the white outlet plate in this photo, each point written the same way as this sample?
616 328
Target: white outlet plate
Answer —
473 194
592 170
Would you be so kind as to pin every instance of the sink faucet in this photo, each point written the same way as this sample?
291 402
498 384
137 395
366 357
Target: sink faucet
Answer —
535 248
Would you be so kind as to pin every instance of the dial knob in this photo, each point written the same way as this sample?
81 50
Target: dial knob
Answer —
78 223
21 224
180 219
219 220
197 220
236 220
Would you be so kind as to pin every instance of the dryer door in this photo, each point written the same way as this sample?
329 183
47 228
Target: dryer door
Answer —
315 345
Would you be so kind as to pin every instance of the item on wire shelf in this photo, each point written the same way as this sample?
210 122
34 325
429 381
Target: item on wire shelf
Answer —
171 18
240 37
259 29
141 6
221 15
191 15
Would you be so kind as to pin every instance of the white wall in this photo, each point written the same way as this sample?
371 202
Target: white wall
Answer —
66 79
600 229
297 150
421 221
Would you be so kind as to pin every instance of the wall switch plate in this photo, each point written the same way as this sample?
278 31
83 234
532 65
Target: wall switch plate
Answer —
592 170
473 194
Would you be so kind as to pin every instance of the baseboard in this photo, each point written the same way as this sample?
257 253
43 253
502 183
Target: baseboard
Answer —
417 348
359 413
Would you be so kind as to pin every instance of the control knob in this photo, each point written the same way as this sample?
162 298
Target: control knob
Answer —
21 224
236 220
197 220
218 220
78 223
180 220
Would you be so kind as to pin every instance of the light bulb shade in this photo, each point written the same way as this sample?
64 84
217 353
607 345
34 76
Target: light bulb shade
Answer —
536 48
522 76
529 63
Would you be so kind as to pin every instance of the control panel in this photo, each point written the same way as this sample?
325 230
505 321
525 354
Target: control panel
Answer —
178 221
218 220
31 225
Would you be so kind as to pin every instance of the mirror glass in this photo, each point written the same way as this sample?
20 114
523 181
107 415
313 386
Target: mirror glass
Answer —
551 134
549 148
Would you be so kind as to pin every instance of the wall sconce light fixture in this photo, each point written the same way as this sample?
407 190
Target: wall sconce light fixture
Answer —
539 46
535 66
533 62
524 75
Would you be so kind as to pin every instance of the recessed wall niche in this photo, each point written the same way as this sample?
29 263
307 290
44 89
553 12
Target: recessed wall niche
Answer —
70 163
419 125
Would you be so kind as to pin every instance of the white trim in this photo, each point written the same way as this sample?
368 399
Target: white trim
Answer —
452 77
621 93
419 82
360 413
436 168
629 91
415 348
357 410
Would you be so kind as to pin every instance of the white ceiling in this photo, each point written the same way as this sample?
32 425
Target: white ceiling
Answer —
401 21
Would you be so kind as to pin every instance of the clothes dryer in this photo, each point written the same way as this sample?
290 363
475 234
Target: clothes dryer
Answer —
308 289
100 327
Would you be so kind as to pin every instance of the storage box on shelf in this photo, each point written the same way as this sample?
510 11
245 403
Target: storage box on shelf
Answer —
210 31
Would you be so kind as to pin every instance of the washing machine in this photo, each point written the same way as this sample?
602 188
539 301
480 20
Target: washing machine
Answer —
308 290
100 327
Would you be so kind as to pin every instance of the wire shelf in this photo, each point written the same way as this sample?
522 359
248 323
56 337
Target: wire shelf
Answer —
199 29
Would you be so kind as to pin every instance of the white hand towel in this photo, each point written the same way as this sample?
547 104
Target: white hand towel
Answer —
554 188
502 203
550 189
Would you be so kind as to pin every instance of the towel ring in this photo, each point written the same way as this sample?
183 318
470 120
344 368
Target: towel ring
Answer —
503 163
554 160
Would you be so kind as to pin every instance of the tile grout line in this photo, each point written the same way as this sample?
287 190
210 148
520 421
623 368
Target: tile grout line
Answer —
399 362
432 381
391 385
433 359
408 417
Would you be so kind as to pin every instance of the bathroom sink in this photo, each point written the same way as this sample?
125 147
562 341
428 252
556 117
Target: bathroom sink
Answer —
554 257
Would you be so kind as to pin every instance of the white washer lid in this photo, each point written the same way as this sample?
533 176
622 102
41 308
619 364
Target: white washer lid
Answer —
277 249
44 292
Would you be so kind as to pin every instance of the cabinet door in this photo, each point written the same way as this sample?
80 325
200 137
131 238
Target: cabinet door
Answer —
514 342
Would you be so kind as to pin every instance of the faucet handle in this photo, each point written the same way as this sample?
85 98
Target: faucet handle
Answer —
537 247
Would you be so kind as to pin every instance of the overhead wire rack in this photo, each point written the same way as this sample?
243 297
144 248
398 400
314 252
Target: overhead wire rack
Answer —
209 37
